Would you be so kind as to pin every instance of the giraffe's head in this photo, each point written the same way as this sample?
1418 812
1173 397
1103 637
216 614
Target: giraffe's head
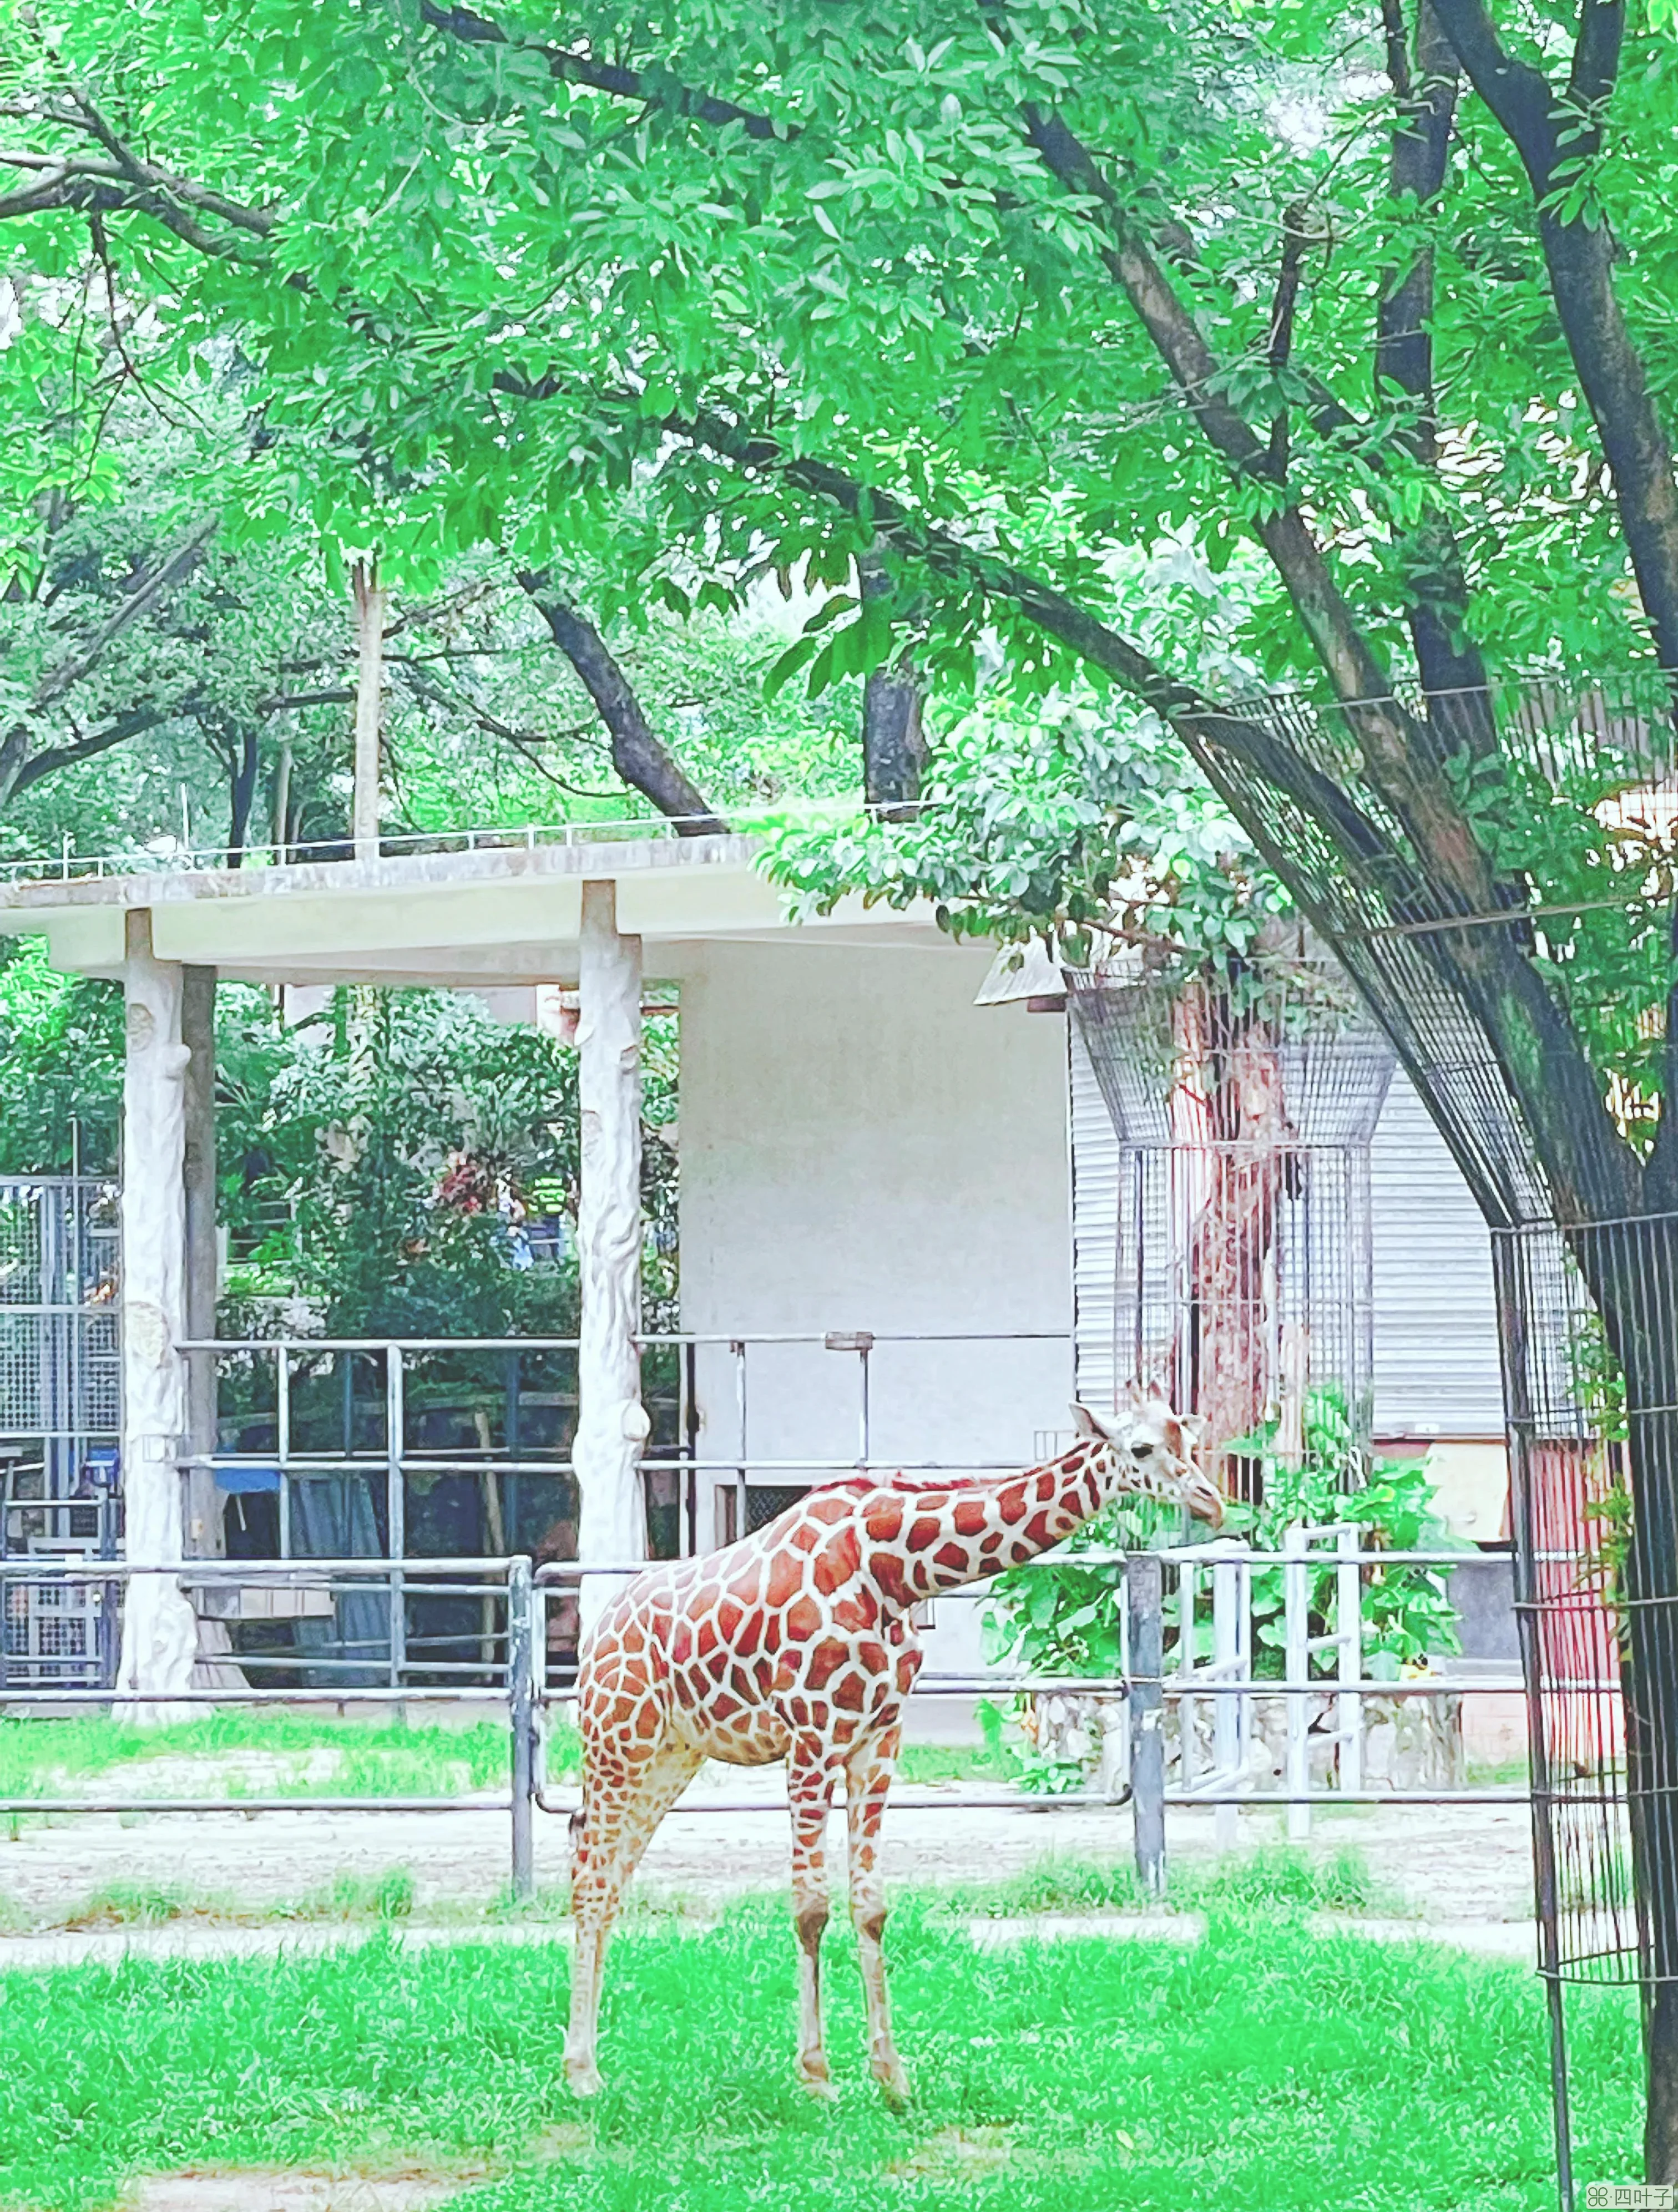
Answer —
1153 1451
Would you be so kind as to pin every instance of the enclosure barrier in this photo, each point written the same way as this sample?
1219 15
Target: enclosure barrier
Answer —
71 866
392 1453
1140 1696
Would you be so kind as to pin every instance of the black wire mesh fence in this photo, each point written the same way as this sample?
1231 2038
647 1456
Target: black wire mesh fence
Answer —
1494 869
1570 1425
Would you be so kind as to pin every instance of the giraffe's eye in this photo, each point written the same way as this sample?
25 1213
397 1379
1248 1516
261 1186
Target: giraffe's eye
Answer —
1142 1451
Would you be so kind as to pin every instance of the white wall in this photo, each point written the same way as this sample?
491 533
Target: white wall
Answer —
863 1148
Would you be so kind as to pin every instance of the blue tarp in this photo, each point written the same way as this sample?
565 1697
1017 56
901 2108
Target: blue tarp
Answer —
333 1517
246 1481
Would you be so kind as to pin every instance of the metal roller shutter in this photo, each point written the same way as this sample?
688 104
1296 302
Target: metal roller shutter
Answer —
1436 1331
1094 1225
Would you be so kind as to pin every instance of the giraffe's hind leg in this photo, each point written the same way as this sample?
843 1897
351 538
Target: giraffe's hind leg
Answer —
811 1778
629 1785
868 1772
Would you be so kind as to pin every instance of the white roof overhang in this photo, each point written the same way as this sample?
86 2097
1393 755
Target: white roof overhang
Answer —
508 912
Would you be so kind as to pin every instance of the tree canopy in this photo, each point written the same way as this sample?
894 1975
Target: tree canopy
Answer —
1076 356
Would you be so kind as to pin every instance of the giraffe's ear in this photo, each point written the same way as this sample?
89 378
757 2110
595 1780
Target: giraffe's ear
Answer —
1085 1422
1192 1426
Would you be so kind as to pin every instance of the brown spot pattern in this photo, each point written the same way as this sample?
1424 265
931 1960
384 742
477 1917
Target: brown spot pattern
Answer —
837 1562
804 1619
884 1521
887 1570
785 1576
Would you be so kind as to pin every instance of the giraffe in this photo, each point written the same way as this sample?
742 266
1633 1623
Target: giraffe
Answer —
797 1643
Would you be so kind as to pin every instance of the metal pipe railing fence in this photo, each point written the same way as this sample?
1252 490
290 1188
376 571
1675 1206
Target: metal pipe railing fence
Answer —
318 1423
1161 1682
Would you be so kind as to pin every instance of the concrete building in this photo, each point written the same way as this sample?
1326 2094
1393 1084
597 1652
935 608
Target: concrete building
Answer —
893 1198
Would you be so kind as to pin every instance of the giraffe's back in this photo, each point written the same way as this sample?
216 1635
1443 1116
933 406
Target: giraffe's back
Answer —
733 1651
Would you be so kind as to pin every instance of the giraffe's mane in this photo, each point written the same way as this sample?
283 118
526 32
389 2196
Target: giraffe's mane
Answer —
916 1486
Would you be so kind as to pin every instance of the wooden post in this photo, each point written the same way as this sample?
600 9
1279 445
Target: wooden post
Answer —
611 1423
159 1631
370 601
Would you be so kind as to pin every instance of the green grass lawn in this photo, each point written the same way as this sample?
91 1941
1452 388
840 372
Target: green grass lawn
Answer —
1266 2069
369 1758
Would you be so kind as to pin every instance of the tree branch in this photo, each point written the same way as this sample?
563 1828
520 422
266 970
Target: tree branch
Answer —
1437 588
1295 239
137 720
636 754
179 565
87 187
1596 69
282 702
1552 134
1353 667
656 91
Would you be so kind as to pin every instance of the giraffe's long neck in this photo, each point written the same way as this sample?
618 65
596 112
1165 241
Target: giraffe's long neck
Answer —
942 1538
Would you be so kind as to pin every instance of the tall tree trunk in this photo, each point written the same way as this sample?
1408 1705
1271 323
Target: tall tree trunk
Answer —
280 827
370 602
1233 1246
1230 1063
894 745
241 794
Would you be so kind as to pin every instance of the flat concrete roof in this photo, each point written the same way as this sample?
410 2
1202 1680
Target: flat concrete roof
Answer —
506 910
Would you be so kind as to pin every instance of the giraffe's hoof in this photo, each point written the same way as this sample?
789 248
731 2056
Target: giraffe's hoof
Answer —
815 2079
893 2081
585 2080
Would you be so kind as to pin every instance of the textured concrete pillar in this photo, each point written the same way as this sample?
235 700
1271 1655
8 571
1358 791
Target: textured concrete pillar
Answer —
160 1632
611 1422
198 1034
206 1506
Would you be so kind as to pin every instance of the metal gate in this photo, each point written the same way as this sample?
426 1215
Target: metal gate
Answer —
60 1414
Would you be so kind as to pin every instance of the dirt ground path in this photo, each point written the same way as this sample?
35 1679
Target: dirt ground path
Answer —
1446 1863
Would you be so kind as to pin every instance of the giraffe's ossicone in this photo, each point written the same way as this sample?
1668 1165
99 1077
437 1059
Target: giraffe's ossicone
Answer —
798 1643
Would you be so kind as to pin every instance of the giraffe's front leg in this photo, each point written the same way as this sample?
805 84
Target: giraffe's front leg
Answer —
810 1782
868 1774
625 1795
